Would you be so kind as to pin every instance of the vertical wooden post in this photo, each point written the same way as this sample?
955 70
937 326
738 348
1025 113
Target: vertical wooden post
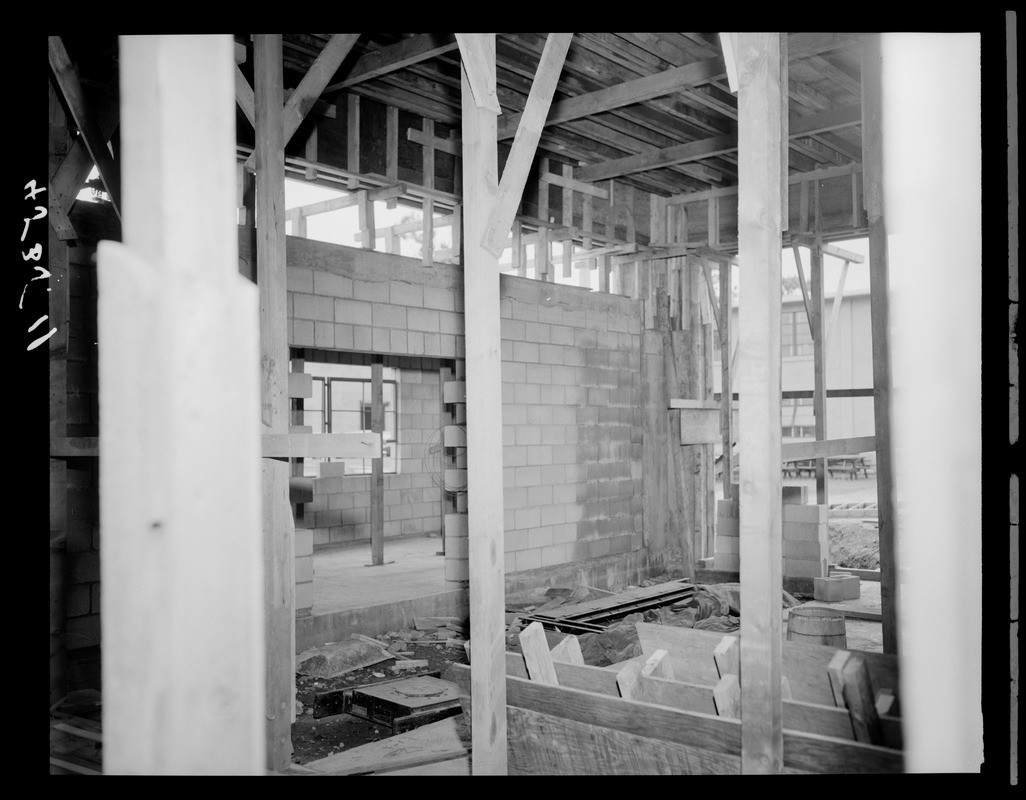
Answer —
726 398
872 176
759 238
377 487
428 208
484 422
352 138
183 635
819 401
278 525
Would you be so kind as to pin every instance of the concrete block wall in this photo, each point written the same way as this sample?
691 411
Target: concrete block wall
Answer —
82 554
572 427
572 424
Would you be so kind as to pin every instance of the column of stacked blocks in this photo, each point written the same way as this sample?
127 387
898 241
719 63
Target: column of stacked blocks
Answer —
805 534
728 536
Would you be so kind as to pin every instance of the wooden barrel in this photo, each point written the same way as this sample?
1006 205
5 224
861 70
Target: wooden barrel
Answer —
816 626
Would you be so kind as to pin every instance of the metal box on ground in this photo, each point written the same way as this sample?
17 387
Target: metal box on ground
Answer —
404 704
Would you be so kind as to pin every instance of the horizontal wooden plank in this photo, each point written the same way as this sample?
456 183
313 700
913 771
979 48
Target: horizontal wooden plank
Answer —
827 448
321 445
708 405
829 249
300 385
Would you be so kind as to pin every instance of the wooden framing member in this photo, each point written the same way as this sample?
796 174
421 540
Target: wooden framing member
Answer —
183 674
872 148
92 135
353 139
321 445
828 448
760 129
278 525
428 209
725 380
377 482
395 57
484 418
528 132
819 405
306 95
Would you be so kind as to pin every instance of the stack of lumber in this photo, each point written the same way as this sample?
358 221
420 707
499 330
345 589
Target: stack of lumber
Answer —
676 710
593 615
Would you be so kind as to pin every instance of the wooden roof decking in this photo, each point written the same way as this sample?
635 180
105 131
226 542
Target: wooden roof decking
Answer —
651 111
603 91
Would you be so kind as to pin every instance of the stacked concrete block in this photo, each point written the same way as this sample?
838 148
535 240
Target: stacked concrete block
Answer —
836 586
727 553
806 540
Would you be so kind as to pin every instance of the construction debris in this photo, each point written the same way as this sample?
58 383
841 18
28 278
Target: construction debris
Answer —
338 658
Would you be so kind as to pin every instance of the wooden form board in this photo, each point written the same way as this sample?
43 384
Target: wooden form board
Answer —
377 488
484 415
591 733
183 680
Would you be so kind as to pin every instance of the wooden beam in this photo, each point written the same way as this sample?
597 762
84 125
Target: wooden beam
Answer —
377 487
725 380
244 96
394 57
475 61
67 181
67 79
804 286
713 146
321 445
657 159
819 404
568 651
828 249
623 94
828 448
316 79
182 675
879 305
759 236
535 647
484 415
521 154
278 526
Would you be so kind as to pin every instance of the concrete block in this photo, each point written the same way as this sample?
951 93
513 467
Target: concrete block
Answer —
439 298
402 293
328 283
539 537
386 315
380 340
528 518
728 509
324 335
538 373
728 544
344 337
805 531
550 354
375 291
802 549
304 595
304 542
727 561
528 559
834 588
304 569
804 568
525 351
792 512
553 515
794 494
302 333
537 332
540 455
553 554
457 569
726 526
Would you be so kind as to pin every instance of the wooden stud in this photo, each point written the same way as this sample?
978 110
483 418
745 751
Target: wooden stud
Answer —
658 665
278 526
568 220
182 676
365 215
759 237
535 647
484 414
873 187
727 695
725 380
835 309
353 139
727 656
857 690
819 406
377 482
392 148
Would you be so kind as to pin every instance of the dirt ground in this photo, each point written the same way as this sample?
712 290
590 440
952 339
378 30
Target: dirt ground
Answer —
851 545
